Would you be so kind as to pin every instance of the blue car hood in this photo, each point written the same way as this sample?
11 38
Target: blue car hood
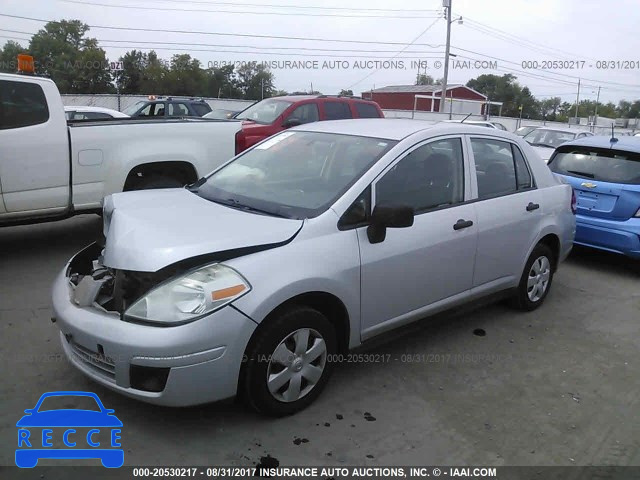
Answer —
69 418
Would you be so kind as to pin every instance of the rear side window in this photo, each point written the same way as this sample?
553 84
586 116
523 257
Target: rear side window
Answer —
337 110
178 110
201 109
366 110
603 164
523 176
22 104
495 167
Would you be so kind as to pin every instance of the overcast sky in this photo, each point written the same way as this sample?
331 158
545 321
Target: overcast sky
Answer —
586 31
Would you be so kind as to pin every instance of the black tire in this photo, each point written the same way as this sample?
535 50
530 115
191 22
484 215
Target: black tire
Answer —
523 299
157 181
293 319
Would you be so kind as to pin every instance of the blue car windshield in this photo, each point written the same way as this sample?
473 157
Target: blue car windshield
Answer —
603 164
66 402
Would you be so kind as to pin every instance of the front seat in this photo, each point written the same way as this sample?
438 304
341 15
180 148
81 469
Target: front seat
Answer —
438 173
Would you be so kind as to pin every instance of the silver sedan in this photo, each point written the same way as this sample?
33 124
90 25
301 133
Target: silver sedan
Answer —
256 280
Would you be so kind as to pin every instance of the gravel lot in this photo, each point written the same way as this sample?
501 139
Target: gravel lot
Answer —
558 386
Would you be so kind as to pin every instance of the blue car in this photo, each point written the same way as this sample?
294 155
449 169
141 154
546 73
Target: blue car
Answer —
605 175
77 428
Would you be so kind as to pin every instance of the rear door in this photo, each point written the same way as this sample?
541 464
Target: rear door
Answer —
509 210
606 181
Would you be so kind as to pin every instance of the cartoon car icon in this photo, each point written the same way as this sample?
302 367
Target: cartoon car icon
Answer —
82 431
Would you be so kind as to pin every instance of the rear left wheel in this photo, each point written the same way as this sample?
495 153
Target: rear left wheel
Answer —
536 279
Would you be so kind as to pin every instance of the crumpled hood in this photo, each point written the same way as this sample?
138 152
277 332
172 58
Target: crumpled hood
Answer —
148 230
544 152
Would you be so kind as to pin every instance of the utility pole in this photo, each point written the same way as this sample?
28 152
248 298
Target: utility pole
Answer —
577 102
262 89
447 5
595 120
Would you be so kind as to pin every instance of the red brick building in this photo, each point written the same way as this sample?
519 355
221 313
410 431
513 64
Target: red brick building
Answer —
403 97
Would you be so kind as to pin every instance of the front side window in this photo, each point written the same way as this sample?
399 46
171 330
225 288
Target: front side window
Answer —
306 113
22 104
495 167
429 177
603 164
294 174
337 110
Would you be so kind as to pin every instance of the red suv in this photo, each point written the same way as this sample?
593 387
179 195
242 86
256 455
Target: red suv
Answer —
272 115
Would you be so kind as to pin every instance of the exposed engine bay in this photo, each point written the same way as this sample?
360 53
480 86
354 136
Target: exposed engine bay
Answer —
111 290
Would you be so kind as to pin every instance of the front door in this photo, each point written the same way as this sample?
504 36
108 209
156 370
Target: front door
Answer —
430 261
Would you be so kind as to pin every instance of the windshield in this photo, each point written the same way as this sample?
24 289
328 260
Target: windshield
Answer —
542 137
294 174
65 402
598 164
131 109
265 111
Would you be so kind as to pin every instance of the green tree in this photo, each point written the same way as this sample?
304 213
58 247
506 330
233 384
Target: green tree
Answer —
130 78
255 81
154 75
422 79
9 56
222 83
347 93
76 63
185 77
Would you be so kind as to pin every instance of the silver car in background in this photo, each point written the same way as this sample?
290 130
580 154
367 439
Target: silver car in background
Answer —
254 280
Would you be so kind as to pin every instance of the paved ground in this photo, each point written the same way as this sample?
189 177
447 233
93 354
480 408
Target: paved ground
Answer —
558 386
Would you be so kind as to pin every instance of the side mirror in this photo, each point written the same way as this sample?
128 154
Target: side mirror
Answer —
388 216
291 122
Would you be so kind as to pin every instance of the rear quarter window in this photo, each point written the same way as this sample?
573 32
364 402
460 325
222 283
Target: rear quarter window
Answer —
603 164
366 110
22 104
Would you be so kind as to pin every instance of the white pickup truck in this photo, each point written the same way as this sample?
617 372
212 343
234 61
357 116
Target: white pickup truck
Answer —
51 170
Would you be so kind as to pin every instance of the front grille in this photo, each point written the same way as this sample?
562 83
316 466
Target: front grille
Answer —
96 361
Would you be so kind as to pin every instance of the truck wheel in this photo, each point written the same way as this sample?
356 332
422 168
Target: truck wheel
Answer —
157 181
536 279
290 363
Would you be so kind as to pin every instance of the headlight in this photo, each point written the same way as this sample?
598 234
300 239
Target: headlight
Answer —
190 296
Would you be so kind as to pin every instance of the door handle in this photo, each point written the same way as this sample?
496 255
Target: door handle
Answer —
460 224
532 206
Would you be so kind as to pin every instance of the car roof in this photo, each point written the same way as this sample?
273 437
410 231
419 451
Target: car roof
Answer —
396 128
628 143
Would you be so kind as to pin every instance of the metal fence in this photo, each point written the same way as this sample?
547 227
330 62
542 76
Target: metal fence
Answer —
121 102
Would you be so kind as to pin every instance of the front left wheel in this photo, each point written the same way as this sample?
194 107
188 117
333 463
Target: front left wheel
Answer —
290 361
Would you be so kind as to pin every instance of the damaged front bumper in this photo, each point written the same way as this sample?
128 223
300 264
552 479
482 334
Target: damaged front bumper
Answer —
189 364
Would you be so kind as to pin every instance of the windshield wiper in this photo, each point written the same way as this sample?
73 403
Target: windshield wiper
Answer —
582 174
230 202
540 145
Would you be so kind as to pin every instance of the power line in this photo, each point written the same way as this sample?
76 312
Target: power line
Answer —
402 50
239 4
247 12
199 44
522 39
245 35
